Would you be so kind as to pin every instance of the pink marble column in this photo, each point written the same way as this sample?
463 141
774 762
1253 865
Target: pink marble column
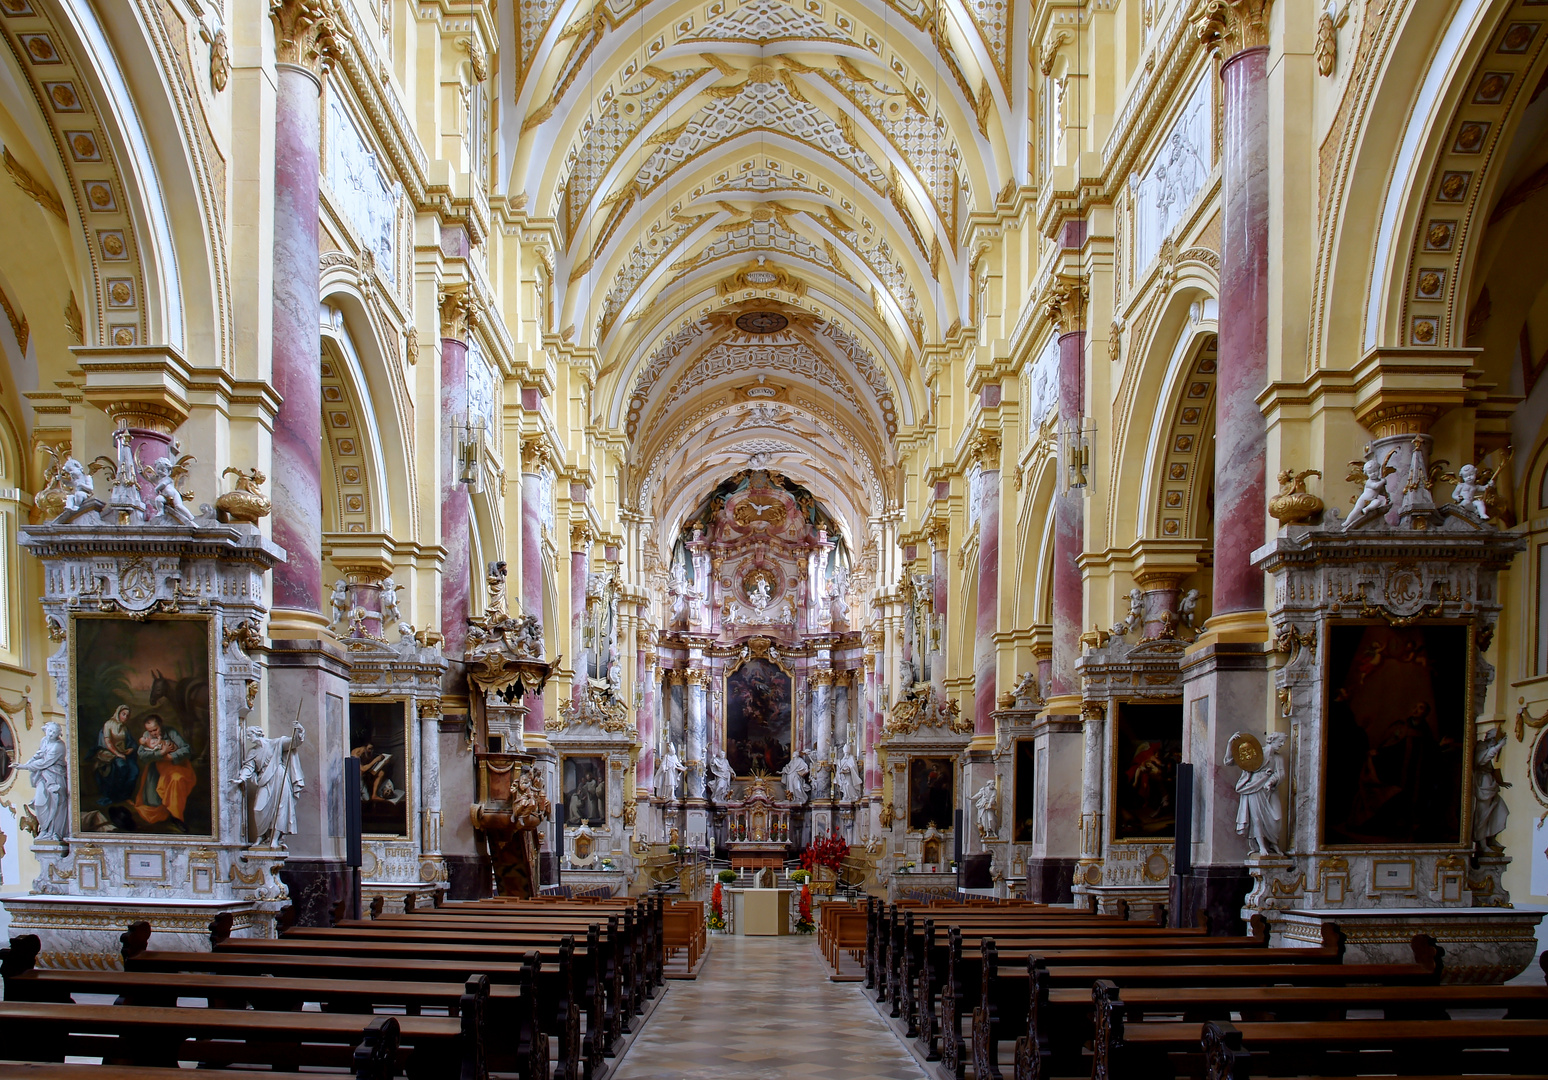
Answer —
297 358
873 726
1241 434
580 565
985 650
645 722
532 572
456 510
940 572
1069 538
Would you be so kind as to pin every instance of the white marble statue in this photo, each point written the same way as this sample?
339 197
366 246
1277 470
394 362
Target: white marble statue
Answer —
339 601
851 784
391 616
838 604
720 770
1373 500
50 805
905 674
794 775
760 596
1136 616
987 804
615 679
1025 691
1489 809
1187 606
164 474
76 483
1471 495
1257 810
272 774
670 776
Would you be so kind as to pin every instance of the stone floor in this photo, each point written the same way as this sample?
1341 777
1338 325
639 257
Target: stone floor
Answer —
763 1009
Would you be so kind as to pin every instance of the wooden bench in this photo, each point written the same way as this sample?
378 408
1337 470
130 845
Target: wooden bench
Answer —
1505 1048
426 1048
550 974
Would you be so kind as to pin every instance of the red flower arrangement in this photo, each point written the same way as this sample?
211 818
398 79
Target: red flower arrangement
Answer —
717 915
804 924
829 851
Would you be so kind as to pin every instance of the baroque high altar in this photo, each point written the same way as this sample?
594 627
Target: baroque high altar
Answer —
966 431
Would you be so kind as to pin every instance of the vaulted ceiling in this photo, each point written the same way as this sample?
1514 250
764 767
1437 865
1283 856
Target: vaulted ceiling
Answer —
761 209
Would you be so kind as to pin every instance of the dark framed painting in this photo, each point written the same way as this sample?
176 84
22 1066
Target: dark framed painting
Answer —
583 785
1539 766
142 706
1396 743
378 739
8 758
1147 747
932 792
759 718
1023 824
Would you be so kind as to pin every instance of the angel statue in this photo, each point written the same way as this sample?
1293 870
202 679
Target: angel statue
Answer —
851 784
165 473
339 601
66 486
1257 811
987 804
390 613
1187 606
1136 615
794 775
1373 500
671 773
1472 491
272 772
1489 809
720 770
1025 691
47 817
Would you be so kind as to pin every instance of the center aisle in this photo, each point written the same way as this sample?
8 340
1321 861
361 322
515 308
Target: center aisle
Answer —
763 1009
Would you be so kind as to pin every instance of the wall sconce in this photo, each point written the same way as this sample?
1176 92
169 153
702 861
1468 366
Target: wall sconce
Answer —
1075 450
470 455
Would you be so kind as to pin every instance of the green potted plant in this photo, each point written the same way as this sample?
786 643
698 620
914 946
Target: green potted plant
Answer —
800 877
727 876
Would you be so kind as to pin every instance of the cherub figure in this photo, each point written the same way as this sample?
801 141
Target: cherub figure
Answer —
1187 606
1135 617
1373 500
165 474
1472 490
339 601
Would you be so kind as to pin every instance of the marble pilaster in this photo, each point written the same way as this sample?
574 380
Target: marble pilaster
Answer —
1069 525
698 731
985 651
297 360
1241 433
456 509
533 461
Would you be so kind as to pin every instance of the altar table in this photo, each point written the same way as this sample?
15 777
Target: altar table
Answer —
760 912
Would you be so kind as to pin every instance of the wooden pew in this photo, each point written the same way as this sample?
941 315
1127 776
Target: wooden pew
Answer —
426 1048
1505 1048
554 988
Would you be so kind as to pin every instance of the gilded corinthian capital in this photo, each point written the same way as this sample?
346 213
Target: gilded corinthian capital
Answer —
306 32
1231 25
1067 306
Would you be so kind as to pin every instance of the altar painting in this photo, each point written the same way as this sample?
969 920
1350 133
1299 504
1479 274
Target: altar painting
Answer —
142 702
759 726
1024 822
378 739
583 784
932 792
1146 751
1395 747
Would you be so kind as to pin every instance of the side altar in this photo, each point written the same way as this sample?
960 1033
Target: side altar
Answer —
152 787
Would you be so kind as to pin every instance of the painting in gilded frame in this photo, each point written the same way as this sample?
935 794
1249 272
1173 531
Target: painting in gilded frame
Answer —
583 785
932 793
759 718
378 738
1396 743
1147 748
142 704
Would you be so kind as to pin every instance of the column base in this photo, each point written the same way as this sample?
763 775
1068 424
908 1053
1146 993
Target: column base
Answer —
1218 891
297 623
1049 880
1232 628
1061 705
315 886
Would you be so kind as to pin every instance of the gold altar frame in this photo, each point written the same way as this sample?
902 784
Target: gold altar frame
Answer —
757 648
1469 730
73 723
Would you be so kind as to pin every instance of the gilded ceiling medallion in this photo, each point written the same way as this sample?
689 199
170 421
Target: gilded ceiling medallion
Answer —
761 322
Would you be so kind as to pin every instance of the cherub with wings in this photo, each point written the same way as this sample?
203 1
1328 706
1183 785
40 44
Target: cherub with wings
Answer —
1474 490
1373 500
165 474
